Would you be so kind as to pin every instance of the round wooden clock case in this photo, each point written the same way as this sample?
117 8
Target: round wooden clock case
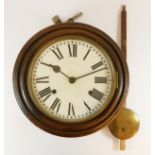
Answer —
49 124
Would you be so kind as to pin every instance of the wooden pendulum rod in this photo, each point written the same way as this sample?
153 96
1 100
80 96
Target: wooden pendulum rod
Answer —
124 31
123 49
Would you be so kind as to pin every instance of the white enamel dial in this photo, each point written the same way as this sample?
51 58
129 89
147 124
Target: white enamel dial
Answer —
71 79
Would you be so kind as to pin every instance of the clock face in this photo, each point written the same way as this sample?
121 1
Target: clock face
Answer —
71 79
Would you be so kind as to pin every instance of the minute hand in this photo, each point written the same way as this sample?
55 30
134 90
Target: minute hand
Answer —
79 77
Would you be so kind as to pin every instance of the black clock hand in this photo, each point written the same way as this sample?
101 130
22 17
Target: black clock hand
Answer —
55 68
79 77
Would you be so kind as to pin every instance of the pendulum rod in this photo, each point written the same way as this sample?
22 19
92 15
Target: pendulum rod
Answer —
124 31
123 49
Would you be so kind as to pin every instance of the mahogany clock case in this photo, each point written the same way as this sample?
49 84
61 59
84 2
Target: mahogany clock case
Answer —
21 71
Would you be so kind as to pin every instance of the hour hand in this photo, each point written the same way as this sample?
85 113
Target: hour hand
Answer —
55 68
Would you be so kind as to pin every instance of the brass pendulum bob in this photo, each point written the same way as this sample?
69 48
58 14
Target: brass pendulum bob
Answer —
125 126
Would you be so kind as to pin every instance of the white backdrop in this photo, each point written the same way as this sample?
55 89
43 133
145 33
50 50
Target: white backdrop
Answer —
26 17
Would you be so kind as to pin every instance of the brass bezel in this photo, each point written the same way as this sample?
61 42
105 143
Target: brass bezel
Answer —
79 38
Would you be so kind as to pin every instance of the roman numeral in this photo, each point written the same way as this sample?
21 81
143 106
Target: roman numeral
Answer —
100 79
45 93
86 105
73 50
86 54
97 65
71 109
56 105
58 53
44 79
96 94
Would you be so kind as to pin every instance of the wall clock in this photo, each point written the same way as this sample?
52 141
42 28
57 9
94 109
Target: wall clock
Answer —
70 79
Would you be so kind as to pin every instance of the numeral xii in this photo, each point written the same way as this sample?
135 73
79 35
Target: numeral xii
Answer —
72 50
